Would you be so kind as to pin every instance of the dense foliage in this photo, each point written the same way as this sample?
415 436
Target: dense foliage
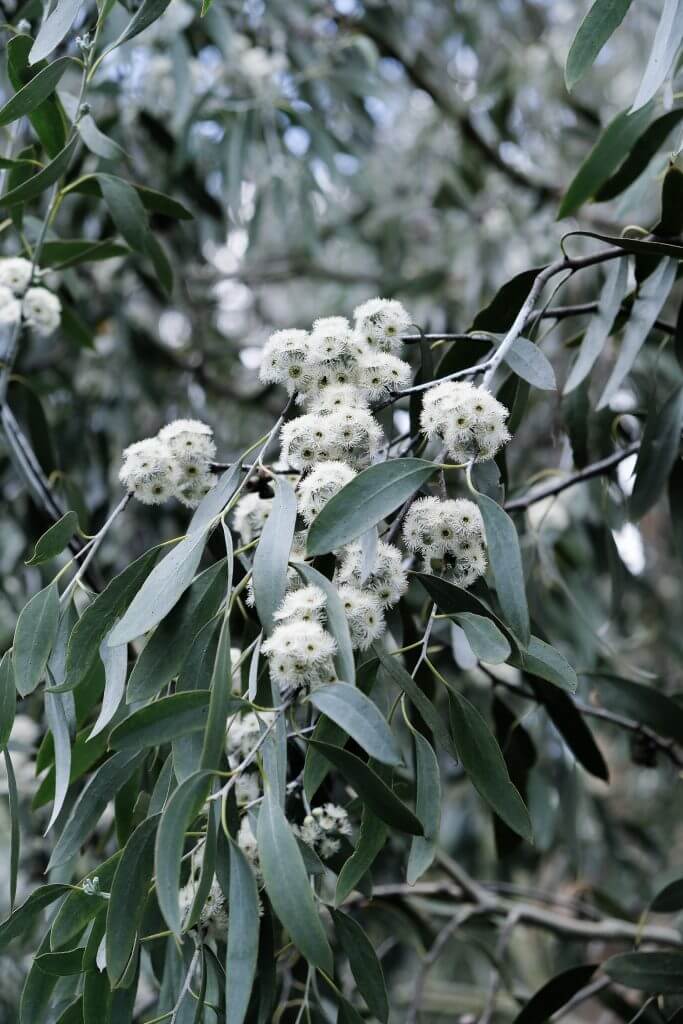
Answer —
375 717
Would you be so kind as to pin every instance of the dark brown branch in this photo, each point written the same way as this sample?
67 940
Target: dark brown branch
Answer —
599 468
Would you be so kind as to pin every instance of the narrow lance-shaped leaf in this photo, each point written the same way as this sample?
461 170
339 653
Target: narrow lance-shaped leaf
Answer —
163 720
287 884
601 21
243 934
665 46
15 832
272 553
597 333
24 917
221 697
42 180
365 967
506 565
660 973
54 29
8 698
126 904
658 452
646 308
427 808
34 92
544 661
484 637
359 717
115 661
58 725
555 994
54 540
365 501
529 363
34 638
336 621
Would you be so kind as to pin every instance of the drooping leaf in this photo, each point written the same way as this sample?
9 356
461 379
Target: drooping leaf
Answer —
37 183
15 831
54 29
671 219
665 46
8 698
598 331
287 884
500 313
658 972
483 761
603 160
220 701
115 661
544 661
24 917
54 540
528 362
651 297
161 591
644 704
658 451
126 904
162 721
365 966
272 553
170 843
639 246
34 92
34 637
336 621
506 565
147 13
394 673
372 837
572 727
644 149
59 727
604 17
243 936
365 501
484 637
427 808
555 994
212 505
371 789
91 802
47 119
454 600
359 717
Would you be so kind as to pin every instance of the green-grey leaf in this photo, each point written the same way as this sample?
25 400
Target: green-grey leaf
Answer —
37 184
161 591
483 761
658 452
272 553
148 12
34 637
220 702
34 92
115 661
609 304
170 842
243 934
372 837
336 621
15 831
365 966
211 506
392 671
651 297
365 501
665 46
126 904
660 973
54 540
59 727
427 808
484 637
371 789
91 802
669 899
126 209
8 698
544 661
287 884
162 721
24 917
359 717
601 21
506 565
529 363
603 160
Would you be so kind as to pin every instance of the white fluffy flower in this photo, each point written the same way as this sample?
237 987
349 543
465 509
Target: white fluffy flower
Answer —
189 441
250 515
246 840
449 532
307 604
468 419
364 615
244 732
286 360
330 339
346 434
381 322
41 310
248 786
10 306
300 654
323 827
147 471
328 398
321 484
192 482
380 373
15 274
387 579
213 916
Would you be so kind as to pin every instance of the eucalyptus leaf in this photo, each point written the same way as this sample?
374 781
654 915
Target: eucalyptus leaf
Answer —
666 44
659 450
528 362
59 727
126 904
115 661
604 17
336 620
8 698
365 966
34 636
162 721
598 330
243 935
427 808
484 637
272 553
506 566
359 717
36 91
54 540
659 972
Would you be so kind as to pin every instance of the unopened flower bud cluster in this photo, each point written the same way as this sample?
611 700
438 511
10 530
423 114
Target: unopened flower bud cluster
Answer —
175 463
37 307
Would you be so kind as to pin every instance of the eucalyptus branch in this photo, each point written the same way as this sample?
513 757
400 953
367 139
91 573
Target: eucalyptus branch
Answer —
599 468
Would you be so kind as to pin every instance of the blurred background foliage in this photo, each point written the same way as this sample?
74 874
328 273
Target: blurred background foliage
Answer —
329 152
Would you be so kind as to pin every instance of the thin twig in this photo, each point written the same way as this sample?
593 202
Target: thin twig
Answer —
587 473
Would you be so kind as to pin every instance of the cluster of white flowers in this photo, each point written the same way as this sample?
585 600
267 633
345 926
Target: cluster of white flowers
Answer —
38 307
250 515
323 828
213 917
342 435
450 533
321 484
468 419
300 652
386 579
175 463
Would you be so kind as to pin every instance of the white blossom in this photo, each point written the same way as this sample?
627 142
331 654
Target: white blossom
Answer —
381 322
16 273
192 482
468 419
380 373
321 484
213 916
450 533
387 579
286 360
189 441
244 732
10 306
147 471
250 515
41 310
328 398
300 654
346 434
307 604
364 615
323 827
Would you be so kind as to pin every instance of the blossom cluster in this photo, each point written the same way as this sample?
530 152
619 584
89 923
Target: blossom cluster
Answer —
175 463
323 828
300 651
468 419
449 533
37 307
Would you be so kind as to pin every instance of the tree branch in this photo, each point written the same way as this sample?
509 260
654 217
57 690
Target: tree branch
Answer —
599 468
